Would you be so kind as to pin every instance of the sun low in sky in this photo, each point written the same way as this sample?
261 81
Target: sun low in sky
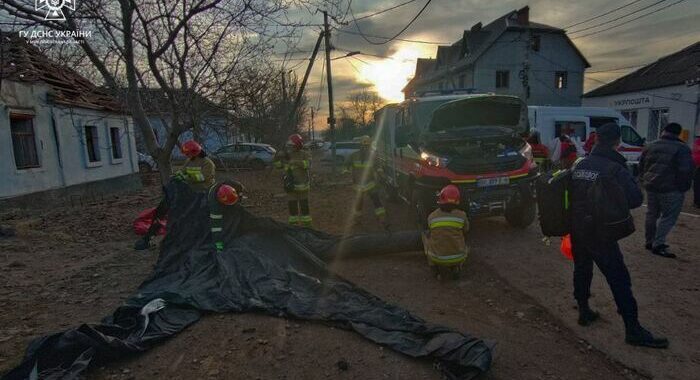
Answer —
389 76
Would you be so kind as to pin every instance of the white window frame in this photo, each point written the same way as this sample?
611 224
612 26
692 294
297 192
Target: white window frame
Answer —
38 143
108 128
83 139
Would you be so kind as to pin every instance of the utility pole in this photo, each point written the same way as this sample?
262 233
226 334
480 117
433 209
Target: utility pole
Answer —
313 134
329 80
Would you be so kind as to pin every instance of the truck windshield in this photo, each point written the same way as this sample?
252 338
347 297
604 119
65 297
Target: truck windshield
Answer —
476 113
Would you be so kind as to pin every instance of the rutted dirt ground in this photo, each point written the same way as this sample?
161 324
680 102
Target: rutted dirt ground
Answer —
70 265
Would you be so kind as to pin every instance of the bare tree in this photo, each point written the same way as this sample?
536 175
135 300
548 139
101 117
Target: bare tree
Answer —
362 105
182 47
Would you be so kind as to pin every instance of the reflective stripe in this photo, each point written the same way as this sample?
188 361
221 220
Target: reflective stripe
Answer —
303 187
306 164
215 216
379 211
305 218
216 229
360 164
293 219
446 221
447 260
367 187
219 245
278 164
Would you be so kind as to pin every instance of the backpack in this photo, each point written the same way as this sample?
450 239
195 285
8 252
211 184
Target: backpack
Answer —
610 212
553 202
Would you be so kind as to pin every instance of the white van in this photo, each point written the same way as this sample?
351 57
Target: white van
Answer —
583 120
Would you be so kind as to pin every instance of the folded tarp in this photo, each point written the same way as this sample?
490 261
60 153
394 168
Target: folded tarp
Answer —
266 267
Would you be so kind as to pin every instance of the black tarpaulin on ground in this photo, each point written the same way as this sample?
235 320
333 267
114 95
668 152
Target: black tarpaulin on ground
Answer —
266 267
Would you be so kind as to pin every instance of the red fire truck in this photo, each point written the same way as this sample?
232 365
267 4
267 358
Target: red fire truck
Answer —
473 141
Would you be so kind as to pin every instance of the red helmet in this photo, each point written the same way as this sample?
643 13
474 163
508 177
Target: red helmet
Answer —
296 140
227 195
449 195
191 148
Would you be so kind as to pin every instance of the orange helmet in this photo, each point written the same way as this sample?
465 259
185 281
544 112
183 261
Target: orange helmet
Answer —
296 140
449 195
191 148
227 195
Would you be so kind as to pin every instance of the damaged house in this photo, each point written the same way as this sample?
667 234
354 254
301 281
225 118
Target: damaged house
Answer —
59 133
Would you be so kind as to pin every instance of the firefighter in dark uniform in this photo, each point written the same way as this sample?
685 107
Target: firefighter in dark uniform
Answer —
363 178
588 248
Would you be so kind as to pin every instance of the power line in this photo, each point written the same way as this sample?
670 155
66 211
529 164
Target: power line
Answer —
602 14
396 39
617 18
628 21
357 26
384 10
616 69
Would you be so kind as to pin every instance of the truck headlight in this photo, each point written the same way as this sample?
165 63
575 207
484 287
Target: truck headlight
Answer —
433 160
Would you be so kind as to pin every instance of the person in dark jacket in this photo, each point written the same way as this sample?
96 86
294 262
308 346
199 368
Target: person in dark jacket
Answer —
666 170
696 180
588 248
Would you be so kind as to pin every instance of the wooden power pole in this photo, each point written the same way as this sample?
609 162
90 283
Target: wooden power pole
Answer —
329 81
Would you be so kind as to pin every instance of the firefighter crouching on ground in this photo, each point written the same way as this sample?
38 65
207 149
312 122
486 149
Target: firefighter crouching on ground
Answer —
221 195
363 179
589 248
445 244
198 171
295 161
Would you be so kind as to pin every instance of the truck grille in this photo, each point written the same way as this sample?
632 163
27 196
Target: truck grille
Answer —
471 166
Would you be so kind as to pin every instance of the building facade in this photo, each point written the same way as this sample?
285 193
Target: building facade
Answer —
57 130
665 91
512 55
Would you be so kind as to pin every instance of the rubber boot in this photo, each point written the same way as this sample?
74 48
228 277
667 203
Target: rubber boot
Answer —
639 336
143 244
586 316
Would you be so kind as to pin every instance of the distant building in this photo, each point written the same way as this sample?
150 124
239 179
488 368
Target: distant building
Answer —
511 55
214 128
665 91
57 129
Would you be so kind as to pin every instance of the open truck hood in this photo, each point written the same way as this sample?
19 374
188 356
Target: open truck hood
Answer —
480 116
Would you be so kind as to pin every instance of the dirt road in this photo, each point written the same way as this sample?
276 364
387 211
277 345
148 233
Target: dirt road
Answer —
75 264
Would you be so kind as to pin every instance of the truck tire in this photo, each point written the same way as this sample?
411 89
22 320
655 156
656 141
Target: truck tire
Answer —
523 215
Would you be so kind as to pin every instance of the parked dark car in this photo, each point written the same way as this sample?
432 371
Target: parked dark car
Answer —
245 155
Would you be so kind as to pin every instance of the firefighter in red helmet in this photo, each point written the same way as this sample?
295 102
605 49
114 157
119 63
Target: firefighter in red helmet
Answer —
294 160
444 242
221 197
199 173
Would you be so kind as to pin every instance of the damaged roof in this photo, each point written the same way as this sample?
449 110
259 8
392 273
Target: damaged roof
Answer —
23 62
671 70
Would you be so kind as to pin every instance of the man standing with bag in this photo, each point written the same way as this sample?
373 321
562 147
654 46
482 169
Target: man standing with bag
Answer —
594 237
666 171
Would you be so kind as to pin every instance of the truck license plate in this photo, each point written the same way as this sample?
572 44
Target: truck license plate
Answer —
495 181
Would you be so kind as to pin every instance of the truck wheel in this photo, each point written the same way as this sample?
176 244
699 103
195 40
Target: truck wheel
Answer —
523 215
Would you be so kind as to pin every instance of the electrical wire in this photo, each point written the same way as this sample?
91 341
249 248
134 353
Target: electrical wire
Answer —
602 14
628 21
617 18
384 10
359 30
396 39
616 69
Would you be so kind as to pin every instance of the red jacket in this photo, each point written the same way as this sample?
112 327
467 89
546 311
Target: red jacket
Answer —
696 152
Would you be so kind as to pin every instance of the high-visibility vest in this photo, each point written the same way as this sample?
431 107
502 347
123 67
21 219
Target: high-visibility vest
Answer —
446 239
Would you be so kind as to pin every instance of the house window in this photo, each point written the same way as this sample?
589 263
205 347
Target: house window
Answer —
658 118
92 143
502 79
24 141
536 40
560 79
116 141
631 116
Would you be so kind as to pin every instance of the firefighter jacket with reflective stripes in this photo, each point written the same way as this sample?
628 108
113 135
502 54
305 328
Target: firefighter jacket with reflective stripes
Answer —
297 163
361 165
199 173
447 230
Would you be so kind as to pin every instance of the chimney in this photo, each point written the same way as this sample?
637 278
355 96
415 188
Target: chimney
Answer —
524 15
476 27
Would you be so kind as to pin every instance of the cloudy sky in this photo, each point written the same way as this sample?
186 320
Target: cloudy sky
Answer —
635 43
